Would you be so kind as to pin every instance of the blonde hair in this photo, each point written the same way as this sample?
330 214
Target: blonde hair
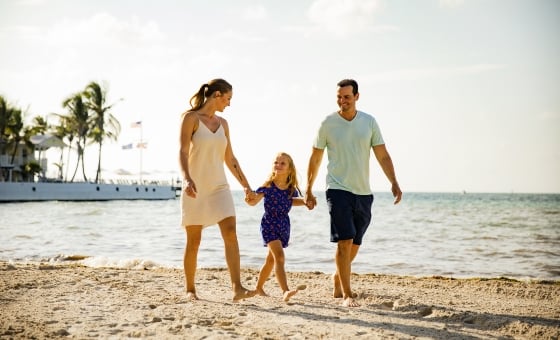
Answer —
291 181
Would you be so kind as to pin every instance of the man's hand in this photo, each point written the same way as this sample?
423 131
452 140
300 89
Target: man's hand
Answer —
310 200
397 193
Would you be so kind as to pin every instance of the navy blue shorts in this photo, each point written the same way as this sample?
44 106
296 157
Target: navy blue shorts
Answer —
350 215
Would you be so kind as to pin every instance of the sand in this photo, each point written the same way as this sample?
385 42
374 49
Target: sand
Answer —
44 300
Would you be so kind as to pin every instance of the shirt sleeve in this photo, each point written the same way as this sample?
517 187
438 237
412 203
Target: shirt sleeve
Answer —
295 194
321 138
376 137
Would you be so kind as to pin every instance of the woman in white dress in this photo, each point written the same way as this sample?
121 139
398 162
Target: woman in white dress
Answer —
206 197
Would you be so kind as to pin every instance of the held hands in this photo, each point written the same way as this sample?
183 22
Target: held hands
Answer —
310 200
251 197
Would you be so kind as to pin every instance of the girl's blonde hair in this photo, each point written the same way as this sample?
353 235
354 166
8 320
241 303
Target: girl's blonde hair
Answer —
291 181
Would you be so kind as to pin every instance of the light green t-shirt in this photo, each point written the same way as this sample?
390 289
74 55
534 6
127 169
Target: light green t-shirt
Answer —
349 145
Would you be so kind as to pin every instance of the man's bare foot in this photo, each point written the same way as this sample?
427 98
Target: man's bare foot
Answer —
243 294
350 302
337 289
191 296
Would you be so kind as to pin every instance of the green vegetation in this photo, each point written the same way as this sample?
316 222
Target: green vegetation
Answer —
87 120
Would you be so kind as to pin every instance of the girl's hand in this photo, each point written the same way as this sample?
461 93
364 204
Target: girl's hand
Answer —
310 201
251 197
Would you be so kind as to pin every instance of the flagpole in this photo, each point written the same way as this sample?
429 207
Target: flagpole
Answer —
141 147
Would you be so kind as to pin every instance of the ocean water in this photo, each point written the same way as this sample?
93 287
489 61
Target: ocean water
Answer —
448 234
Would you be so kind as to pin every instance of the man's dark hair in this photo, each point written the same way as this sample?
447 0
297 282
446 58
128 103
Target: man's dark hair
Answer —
349 82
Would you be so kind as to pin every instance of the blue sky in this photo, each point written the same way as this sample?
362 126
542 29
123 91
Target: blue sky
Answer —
467 92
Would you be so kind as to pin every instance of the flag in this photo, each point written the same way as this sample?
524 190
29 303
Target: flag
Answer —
142 145
136 124
127 146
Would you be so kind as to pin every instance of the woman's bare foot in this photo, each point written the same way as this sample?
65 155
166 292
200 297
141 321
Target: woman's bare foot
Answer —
260 292
350 302
243 294
191 296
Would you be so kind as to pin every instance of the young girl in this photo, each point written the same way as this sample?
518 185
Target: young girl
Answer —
280 192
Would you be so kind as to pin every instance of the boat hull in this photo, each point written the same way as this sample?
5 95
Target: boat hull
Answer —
81 191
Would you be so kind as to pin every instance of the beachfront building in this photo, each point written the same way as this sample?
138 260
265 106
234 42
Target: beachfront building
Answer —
13 166
20 164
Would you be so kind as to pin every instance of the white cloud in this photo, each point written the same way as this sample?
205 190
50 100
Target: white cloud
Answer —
436 72
104 29
236 36
21 32
341 17
31 2
255 13
451 3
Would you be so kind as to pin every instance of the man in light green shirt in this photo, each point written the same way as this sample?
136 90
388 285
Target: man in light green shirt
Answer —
348 135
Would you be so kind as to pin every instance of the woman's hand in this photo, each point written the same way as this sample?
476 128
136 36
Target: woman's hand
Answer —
190 189
251 197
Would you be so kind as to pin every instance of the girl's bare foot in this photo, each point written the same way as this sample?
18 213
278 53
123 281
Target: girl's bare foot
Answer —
350 302
288 294
191 296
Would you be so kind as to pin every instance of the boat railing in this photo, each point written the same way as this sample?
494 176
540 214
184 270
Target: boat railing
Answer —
114 181
123 181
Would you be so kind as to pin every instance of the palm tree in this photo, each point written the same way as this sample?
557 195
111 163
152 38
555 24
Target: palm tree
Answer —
13 132
5 113
4 118
15 129
39 126
63 131
30 169
105 125
79 122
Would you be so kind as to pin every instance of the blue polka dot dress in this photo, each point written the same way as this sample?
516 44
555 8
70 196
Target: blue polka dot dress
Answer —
275 223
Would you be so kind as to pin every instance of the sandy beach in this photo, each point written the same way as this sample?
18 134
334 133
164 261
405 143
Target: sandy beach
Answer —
43 300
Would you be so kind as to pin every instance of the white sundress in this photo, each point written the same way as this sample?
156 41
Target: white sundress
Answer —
213 201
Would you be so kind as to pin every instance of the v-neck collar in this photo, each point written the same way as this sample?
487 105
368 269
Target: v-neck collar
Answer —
207 128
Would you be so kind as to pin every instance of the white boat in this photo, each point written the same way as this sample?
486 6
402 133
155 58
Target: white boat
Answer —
84 191
14 187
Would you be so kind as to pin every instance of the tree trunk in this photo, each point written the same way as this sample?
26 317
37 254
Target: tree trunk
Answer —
98 174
